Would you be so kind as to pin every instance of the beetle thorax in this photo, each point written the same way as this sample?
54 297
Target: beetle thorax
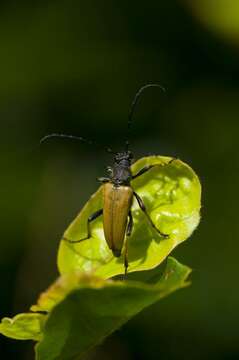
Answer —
121 169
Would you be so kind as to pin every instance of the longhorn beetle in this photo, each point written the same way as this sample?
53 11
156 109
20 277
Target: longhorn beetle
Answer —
118 193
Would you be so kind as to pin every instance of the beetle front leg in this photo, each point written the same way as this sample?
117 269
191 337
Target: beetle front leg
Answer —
148 167
89 220
128 233
103 180
143 208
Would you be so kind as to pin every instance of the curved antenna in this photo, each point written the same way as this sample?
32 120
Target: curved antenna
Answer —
134 104
72 137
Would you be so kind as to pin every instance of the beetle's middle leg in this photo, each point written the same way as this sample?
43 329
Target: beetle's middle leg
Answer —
143 208
91 218
148 167
128 233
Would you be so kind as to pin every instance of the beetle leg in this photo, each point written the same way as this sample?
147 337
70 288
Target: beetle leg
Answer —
148 167
130 224
91 218
143 208
128 233
103 179
126 262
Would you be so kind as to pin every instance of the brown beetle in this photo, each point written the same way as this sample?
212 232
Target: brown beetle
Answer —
118 195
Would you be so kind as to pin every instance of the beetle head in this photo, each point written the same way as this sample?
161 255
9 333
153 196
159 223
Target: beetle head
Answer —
125 155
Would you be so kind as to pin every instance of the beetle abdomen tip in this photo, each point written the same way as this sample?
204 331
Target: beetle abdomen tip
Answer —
116 252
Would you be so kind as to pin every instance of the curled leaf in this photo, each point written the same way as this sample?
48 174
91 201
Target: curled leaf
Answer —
172 195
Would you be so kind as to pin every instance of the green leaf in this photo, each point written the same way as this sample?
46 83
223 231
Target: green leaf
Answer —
84 316
172 195
62 287
23 326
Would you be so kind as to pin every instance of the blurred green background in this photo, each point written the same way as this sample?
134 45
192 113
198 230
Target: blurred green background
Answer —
74 67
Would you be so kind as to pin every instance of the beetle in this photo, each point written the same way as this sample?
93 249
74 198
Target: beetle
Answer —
118 194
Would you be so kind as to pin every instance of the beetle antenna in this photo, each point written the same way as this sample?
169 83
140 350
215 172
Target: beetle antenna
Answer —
133 107
72 137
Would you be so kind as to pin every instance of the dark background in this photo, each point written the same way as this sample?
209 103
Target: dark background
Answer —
74 67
